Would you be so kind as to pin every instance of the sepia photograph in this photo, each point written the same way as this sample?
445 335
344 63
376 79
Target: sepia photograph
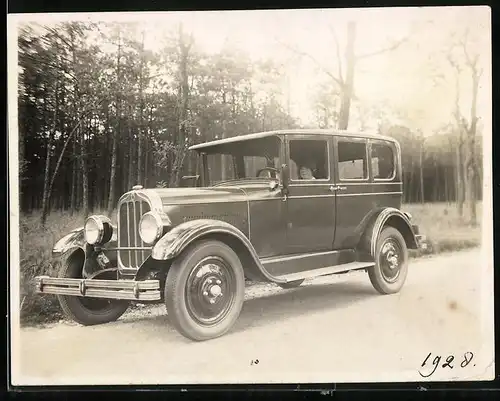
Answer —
251 197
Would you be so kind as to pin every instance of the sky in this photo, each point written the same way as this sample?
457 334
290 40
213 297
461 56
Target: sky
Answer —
398 78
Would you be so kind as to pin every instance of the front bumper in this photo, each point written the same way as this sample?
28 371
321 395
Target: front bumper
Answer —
147 290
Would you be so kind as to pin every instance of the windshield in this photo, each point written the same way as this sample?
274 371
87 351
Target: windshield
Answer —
246 160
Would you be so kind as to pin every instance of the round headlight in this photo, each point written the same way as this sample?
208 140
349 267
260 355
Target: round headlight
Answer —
93 231
98 230
150 227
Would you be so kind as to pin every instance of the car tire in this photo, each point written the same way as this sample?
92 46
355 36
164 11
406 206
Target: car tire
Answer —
205 290
87 311
291 284
389 273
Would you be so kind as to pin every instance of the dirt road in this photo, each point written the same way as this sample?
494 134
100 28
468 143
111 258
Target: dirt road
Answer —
332 329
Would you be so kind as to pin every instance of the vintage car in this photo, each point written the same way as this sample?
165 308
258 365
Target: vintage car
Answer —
277 207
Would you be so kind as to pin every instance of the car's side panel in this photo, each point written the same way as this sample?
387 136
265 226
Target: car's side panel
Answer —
267 221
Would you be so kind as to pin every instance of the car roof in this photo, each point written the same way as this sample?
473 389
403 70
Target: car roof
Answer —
319 132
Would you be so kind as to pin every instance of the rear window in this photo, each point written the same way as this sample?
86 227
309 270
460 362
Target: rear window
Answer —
352 160
382 159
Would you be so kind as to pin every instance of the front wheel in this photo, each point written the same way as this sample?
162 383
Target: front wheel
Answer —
391 262
204 290
87 311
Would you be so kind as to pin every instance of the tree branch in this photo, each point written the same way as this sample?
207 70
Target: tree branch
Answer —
394 46
338 80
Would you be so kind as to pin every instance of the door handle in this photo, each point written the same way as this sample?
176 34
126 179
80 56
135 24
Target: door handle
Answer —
335 188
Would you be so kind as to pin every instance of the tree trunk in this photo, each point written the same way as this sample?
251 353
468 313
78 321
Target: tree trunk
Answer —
421 153
348 85
116 132
471 164
85 177
460 186
73 181
180 151
131 174
141 107
46 180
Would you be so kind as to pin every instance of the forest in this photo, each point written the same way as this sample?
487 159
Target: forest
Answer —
99 111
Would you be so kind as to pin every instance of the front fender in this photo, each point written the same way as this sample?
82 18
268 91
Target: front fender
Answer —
387 216
174 242
76 239
177 239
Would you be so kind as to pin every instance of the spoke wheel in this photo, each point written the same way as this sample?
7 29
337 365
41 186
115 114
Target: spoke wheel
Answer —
204 290
391 262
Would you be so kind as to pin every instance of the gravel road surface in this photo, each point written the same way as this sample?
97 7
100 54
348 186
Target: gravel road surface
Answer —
331 329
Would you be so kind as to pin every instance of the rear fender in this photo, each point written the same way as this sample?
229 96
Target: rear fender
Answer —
175 241
386 217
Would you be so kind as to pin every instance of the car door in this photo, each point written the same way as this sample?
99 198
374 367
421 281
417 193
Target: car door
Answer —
355 197
310 206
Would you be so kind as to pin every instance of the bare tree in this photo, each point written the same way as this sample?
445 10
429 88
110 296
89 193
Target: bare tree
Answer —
345 83
466 163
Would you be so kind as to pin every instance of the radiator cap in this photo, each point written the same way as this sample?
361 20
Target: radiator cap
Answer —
137 187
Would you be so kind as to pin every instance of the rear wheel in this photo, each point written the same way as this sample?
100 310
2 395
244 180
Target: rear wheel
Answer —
204 291
391 262
88 311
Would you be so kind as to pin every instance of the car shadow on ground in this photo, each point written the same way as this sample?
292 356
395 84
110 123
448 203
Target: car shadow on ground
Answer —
272 309
308 300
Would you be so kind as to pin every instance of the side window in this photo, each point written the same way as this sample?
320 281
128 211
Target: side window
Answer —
352 160
309 160
382 157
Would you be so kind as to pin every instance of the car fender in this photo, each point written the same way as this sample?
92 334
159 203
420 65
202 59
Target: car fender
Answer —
176 240
387 216
76 240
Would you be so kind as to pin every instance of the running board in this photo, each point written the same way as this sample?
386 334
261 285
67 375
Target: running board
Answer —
148 290
325 271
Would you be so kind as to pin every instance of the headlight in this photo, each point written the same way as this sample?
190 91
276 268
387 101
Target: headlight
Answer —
98 230
151 227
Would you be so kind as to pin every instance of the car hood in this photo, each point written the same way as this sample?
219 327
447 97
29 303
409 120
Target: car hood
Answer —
179 196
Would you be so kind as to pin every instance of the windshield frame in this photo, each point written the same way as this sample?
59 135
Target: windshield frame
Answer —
203 162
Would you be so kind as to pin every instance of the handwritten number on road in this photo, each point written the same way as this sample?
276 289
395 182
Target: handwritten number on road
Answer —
447 364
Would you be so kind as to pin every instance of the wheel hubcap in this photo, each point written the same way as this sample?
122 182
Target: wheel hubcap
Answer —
210 290
390 260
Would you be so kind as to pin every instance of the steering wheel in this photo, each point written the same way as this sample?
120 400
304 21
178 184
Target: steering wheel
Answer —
270 169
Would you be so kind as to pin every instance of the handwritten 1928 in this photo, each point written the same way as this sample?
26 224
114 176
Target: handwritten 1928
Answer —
448 363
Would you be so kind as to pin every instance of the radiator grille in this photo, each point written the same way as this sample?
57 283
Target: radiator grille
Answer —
129 240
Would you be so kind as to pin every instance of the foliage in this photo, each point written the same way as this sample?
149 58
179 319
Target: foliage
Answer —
117 114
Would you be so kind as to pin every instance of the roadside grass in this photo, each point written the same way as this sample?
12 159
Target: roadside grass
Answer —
440 222
445 230
35 245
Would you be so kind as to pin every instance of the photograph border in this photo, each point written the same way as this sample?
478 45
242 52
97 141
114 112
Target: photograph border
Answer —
13 226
